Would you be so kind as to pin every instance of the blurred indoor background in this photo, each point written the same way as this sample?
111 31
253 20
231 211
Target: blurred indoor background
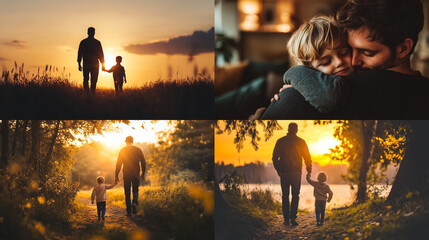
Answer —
251 54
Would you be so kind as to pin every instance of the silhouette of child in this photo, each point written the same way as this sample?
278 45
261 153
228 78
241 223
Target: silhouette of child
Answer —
320 191
99 194
118 74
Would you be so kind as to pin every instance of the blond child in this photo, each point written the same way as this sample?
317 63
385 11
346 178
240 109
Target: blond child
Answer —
320 191
321 45
99 194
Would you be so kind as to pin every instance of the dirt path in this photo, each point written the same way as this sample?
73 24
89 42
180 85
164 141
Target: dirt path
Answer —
115 217
86 224
276 230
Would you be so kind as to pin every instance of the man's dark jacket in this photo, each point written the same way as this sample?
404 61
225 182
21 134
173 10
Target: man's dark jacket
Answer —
91 51
288 154
130 157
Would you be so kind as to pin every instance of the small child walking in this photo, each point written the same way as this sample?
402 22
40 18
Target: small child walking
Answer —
99 194
320 191
118 74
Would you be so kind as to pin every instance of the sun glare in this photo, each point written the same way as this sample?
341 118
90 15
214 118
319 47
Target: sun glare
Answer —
323 145
115 139
109 60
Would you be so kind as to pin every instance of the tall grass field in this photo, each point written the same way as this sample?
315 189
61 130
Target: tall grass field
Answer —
50 95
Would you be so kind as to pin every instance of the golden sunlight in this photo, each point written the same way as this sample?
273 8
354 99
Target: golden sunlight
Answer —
109 60
323 145
115 139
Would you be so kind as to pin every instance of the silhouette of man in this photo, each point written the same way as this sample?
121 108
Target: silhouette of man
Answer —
131 157
287 160
91 51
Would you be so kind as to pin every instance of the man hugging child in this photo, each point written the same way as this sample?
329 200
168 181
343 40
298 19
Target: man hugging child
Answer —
320 191
321 46
99 194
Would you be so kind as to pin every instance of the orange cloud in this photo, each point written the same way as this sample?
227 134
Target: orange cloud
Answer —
189 45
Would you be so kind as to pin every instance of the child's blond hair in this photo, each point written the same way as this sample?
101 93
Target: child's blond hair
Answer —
100 180
321 176
308 42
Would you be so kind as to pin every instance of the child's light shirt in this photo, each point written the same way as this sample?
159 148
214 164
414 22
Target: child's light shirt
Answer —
99 192
320 189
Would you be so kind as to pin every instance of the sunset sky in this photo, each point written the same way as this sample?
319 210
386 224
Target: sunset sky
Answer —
319 139
142 131
39 33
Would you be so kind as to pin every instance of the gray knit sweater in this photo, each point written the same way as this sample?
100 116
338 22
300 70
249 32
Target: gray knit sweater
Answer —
325 92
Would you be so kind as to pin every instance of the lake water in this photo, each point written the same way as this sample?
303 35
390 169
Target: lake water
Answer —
343 195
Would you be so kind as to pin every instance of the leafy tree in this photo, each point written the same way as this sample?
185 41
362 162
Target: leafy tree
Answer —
248 128
413 173
369 146
186 153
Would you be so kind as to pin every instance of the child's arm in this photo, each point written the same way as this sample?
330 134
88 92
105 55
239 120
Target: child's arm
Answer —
330 194
309 179
109 71
93 196
110 186
325 92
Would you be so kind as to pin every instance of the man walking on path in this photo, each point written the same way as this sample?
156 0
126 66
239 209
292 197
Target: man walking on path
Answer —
131 157
287 160
92 52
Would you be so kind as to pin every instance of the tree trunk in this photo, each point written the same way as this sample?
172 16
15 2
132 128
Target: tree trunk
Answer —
4 143
35 146
413 172
15 136
52 144
24 137
369 129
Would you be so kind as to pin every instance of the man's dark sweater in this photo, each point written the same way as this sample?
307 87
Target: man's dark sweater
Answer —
91 51
288 154
377 94
130 157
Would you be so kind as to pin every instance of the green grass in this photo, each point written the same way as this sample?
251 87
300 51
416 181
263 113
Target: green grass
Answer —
52 96
183 211
407 218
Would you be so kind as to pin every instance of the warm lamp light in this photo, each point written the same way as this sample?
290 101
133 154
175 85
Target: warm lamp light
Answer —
251 7
251 22
284 28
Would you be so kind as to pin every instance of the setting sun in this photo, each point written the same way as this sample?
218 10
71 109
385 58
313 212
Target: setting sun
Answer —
324 144
141 131
319 139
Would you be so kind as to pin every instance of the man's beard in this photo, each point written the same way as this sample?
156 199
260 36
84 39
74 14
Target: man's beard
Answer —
388 64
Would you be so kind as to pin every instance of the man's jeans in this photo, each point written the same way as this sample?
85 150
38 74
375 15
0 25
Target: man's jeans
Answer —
94 77
101 209
287 181
320 210
135 182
